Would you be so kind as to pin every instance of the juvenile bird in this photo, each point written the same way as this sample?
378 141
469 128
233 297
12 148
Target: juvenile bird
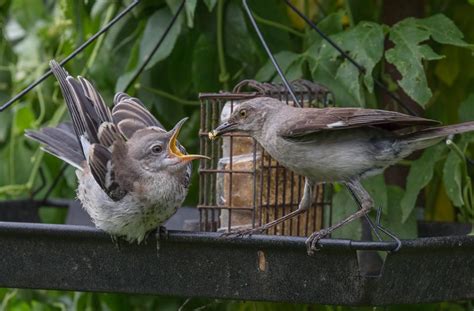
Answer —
333 145
133 174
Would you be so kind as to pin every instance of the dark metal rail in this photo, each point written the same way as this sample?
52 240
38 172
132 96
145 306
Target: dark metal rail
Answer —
272 268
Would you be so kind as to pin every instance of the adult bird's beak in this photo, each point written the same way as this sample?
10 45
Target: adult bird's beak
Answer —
221 129
173 148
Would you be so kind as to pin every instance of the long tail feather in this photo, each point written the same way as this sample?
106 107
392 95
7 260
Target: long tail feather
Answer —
61 142
439 132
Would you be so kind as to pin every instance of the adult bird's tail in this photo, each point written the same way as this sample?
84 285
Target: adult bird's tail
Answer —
430 136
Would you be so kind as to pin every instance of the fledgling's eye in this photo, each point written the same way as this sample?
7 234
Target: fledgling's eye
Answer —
156 149
243 113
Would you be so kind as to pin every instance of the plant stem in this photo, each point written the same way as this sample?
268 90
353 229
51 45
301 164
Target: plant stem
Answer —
171 96
270 23
223 75
109 15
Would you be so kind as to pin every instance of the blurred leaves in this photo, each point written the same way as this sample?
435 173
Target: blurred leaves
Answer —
187 63
409 51
365 44
421 172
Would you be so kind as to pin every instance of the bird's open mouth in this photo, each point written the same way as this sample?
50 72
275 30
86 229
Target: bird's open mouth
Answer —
221 129
174 150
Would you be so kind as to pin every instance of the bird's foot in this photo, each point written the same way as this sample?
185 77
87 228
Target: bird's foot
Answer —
242 233
116 241
161 235
313 240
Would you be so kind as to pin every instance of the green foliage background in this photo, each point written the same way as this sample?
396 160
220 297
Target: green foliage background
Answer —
211 48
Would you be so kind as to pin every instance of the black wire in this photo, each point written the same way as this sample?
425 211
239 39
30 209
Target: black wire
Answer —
150 55
42 185
72 55
349 58
55 182
267 49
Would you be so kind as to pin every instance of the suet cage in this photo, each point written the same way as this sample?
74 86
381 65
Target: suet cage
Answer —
242 186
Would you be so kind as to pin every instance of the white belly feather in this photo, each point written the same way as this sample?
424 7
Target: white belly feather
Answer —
133 216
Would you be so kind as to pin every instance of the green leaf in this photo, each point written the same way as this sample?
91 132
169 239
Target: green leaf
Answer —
284 60
205 69
190 8
393 220
466 109
365 43
409 51
22 119
452 178
377 188
330 24
154 29
421 172
210 4
5 121
238 44
344 205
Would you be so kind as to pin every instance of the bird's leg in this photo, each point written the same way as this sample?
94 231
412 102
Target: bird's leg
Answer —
363 199
373 227
378 226
161 235
305 204
116 241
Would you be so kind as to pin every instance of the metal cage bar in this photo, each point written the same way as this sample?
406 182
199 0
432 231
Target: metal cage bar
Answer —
242 185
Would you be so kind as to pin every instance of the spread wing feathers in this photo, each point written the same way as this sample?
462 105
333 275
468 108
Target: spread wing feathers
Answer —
86 107
108 134
102 168
315 120
61 142
61 75
130 115
96 100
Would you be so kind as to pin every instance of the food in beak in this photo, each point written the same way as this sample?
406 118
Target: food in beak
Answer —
212 135
174 150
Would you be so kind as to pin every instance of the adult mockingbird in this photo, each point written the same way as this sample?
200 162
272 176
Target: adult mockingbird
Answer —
333 145
133 174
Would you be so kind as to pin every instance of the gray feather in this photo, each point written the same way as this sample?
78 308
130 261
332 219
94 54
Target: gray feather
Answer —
61 142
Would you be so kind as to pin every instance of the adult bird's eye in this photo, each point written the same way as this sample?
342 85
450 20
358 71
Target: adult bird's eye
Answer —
156 149
243 113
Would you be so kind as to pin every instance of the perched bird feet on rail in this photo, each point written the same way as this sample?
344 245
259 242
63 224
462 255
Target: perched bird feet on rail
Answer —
313 240
161 235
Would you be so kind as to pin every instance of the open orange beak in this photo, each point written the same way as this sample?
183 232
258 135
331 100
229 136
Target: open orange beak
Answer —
173 148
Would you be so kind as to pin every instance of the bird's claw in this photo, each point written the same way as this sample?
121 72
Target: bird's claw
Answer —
313 241
242 233
162 233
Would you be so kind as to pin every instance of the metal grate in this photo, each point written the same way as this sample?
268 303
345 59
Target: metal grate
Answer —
242 186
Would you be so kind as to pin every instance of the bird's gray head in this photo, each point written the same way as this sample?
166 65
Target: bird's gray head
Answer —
249 116
156 150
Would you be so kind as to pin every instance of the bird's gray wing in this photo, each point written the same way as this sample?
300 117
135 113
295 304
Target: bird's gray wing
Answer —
97 135
130 115
104 164
306 121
